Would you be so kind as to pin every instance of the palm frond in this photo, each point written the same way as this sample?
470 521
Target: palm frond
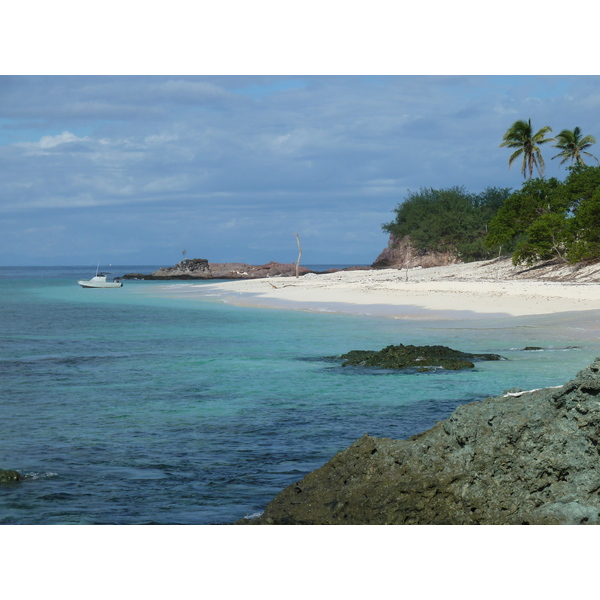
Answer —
590 154
520 135
541 166
572 145
514 156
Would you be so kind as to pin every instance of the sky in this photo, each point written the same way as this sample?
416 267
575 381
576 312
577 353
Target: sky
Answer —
128 164
137 169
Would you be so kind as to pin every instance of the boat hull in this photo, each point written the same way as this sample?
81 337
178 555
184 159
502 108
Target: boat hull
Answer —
100 281
95 284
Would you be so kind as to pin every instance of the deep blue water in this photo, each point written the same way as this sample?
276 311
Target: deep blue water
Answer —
128 407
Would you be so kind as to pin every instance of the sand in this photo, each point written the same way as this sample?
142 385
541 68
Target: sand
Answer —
473 289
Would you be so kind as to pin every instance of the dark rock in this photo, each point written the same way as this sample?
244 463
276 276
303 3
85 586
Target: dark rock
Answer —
538 348
422 358
528 458
9 476
136 276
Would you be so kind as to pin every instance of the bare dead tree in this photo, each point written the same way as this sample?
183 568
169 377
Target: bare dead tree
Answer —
299 255
498 264
408 260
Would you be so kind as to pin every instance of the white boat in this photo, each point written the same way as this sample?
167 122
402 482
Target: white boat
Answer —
99 281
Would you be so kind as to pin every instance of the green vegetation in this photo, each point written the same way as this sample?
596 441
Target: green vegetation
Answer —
572 146
527 144
546 219
550 219
520 136
448 220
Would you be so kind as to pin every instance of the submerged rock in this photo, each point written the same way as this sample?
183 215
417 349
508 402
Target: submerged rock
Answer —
422 358
9 476
540 349
527 458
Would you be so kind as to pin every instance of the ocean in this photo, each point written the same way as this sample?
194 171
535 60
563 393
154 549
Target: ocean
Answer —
131 406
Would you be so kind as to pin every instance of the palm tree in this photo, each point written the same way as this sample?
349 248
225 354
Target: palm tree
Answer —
573 146
520 135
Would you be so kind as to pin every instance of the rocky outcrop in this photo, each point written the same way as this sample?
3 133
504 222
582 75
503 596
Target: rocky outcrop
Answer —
521 458
200 268
8 476
399 254
421 358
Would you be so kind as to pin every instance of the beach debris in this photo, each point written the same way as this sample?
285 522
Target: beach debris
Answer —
517 394
278 287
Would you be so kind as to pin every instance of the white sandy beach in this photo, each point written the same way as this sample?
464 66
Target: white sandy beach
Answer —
482 288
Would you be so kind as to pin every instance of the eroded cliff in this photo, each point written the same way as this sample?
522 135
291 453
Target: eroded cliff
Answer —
400 254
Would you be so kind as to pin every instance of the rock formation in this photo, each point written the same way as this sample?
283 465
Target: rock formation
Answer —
399 254
8 476
200 268
422 358
521 458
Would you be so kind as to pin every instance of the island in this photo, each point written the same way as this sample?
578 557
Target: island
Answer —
201 268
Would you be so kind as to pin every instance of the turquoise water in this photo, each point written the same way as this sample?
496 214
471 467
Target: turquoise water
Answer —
127 406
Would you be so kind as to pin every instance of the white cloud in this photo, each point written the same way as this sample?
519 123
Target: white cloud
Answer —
66 137
158 139
47 142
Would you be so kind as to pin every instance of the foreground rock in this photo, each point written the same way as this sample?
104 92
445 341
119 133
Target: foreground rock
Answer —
523 458
8 476
422 358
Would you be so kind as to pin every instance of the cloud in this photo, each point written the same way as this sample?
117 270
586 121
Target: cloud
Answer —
178 158
51 142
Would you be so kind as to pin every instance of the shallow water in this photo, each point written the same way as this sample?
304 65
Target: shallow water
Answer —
129 406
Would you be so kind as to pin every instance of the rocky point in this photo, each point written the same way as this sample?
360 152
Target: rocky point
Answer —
528 457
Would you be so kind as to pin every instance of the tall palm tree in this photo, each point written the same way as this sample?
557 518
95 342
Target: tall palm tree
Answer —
520 135
573 146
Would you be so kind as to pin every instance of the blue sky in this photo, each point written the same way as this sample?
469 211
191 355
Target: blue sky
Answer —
135 169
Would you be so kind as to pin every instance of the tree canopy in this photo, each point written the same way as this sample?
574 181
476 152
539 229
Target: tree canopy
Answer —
550 219
545 219
527 144
572 145
448 220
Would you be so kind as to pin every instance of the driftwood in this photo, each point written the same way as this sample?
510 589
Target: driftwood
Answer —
281 286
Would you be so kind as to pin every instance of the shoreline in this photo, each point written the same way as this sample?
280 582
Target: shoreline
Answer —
470 290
